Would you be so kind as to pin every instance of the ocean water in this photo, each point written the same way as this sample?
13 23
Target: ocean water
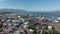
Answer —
39 13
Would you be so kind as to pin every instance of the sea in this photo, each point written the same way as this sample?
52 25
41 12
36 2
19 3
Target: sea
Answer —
39 13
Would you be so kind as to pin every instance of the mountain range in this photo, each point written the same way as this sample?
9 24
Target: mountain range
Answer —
24 11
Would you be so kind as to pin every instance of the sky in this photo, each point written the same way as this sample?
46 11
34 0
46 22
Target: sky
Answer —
31 5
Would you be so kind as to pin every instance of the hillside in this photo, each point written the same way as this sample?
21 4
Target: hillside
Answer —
2 11
57 12
5 12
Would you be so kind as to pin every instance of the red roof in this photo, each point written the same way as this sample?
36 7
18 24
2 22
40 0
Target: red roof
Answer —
40 19
21 28
2 32
29 32
38 26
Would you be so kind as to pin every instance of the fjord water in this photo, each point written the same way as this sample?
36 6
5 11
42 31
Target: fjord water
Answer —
40 13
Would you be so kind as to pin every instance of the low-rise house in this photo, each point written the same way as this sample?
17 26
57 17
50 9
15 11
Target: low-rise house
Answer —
56 21
22 19
16 23
14 20
58 18
10 24
30 32
50 27
25 26
3 20
44 26
9 20
4 24
17 32
38 27
26 23
21 29
19 16
2 32
40 19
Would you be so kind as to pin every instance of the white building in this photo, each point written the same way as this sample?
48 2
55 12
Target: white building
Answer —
56 21
50 27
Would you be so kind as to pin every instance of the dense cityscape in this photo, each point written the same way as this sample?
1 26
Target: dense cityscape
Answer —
27 24
29 16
